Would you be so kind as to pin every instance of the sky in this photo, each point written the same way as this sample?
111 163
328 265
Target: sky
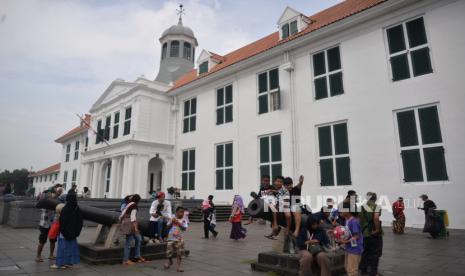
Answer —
58 56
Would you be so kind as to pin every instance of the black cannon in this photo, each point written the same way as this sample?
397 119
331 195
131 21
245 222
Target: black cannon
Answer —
100 216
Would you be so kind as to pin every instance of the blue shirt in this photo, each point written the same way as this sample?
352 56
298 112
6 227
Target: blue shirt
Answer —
355 229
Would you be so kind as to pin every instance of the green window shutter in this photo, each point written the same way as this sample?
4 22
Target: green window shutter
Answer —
334 59
276 148
219 156
407 128
421 62
229 91
264 149
220 116
193 106
416 32
285 30
324 139
262 82
228 148
399 65
219 180
116 119
192 181
335 83
191 160
203 67
185 126
319 66
321 89
262 104
228 114
326 172
343 171
276 169
429 125
274 79
185 160
219 97
293 27
128 113
264 170
184 181
193 123
396 39
341 143
127 127
412 165
435 164
229 179
187 109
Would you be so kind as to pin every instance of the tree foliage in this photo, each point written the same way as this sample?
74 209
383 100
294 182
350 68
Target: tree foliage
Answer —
17 179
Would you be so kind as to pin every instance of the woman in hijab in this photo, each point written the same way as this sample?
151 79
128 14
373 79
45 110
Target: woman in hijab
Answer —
237 232
70 229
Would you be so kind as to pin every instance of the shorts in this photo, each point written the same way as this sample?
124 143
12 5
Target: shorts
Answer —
175 248
44 235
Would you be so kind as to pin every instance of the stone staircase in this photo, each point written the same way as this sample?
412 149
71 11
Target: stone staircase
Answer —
222 213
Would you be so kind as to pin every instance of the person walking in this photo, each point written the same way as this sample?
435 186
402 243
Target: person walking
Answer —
130 228
372 235
237 232
70 228
433 224
398 225
46 220
178 225
160 213
209 217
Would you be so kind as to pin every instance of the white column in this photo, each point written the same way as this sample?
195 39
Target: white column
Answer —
126 179
95 178
113 178
119 178
142 170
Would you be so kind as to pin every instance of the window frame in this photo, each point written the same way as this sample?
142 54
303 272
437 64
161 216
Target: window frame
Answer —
68 152
224 167
407 50
76 150
190 115
268 92
173 48
270 163
187 51
73 177
188 171
333 155
327 73
65 177
201 67
116 124
421 146
127 120
224 105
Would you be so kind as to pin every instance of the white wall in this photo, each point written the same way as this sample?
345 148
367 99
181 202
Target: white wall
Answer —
72 164
42 183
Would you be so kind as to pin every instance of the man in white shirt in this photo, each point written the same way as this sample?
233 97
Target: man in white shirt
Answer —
160 214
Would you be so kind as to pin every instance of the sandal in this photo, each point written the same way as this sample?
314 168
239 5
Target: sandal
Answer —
140 260
128 262
52 258
271 237
39 259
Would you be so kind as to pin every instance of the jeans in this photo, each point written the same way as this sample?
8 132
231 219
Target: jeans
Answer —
156 228
127 246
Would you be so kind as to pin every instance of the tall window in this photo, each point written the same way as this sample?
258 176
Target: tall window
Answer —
127 121
56 176
86 146
68 150
174 48
268 91
327 73
99 137
73 178
203 67
408 50
270 155
76 150
106 134
224 105
187 51
188 170
334 155
224 166
190 117
293 27
289 29
285 30
163 50
107 179
421 145
65 177
116 125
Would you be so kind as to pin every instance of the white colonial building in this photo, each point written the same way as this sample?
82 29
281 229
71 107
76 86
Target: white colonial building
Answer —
366 95
45 178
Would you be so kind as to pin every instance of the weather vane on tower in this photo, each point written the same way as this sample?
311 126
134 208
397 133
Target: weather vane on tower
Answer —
180 12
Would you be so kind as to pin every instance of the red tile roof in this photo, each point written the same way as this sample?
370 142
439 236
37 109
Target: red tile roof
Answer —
83 126
318 21
52 169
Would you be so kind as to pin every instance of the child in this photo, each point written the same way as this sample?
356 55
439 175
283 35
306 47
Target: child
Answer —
175 245
354 245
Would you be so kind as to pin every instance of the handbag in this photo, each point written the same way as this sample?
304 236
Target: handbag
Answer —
314 249
127 227
54 230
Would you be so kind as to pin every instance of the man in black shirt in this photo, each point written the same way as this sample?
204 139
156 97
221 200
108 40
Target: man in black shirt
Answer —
266 190
295 195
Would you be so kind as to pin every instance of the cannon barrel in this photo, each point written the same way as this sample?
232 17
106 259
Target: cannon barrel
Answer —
100 216
257 209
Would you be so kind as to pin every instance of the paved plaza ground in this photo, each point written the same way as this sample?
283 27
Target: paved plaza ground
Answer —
410 254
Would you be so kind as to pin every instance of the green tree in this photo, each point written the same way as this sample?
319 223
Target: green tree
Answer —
18 180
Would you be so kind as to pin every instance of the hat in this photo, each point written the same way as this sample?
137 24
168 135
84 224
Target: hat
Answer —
160 194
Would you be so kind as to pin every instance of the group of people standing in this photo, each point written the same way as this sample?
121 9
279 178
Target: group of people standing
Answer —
61 227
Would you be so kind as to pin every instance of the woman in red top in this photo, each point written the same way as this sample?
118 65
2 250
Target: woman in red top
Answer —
237 232
398 225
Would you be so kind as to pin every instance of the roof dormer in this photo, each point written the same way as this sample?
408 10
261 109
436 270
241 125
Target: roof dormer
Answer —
207 60
291 22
